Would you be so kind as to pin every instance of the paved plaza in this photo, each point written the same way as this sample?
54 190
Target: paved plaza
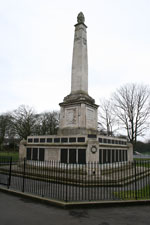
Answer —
16 210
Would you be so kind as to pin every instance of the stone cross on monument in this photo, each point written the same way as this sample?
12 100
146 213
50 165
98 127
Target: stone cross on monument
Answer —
78 113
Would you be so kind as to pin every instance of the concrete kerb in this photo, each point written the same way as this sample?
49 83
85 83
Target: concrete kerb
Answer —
65 205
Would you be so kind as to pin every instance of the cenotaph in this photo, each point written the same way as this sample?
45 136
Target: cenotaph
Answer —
78 140
78 114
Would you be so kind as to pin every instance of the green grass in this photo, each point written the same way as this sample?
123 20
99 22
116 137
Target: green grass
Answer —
143 162
14 155
143 193
142 159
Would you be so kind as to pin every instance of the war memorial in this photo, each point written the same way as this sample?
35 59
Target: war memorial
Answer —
78 165
78 140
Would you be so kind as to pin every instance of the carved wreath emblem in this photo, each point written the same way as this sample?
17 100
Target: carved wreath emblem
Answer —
93 149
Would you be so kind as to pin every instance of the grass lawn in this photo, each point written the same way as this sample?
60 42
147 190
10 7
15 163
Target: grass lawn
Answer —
143 162
143 193
142 159
14 155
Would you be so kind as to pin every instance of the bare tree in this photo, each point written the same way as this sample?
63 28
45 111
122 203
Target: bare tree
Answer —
24 121
132 107
107 121
48 123
5 126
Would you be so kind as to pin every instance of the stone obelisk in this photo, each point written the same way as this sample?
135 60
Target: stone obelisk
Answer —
78 113
79 79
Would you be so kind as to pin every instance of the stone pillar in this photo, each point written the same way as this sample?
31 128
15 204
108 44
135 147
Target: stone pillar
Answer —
130 152
79 79
22 149
92 150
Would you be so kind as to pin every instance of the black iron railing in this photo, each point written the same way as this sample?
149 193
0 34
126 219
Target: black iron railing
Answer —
78 182
5 170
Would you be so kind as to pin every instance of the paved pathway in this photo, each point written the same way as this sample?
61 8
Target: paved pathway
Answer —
20 211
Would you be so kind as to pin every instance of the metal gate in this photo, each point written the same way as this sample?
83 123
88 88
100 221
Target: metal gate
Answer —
5 170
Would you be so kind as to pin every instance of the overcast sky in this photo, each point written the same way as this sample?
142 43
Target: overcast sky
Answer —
36 43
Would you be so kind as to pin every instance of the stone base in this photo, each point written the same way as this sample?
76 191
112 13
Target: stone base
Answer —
76 131
78 96
78 114
96 148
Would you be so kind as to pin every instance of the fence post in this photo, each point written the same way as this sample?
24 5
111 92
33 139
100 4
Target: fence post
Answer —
9 179
66 181
135 180
24 170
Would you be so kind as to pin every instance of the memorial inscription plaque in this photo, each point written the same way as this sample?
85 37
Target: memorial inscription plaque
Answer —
90 117
71 116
